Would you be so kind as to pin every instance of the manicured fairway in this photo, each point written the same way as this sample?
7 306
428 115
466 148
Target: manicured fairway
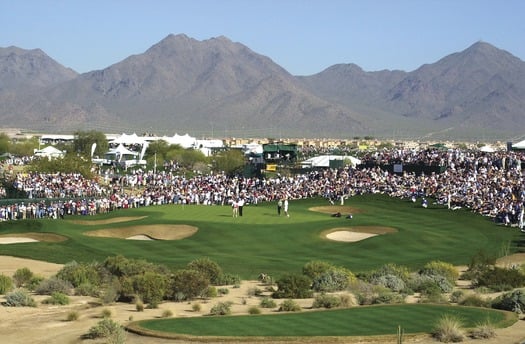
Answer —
261 241
360 321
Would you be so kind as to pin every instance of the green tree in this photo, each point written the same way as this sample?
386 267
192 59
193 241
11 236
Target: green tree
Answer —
84 140
4 143
189 283
208 267
230 162
71 163
24 147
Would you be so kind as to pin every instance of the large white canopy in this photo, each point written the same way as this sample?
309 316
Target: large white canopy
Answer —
49 152
519 145
324 160
126 139
185 141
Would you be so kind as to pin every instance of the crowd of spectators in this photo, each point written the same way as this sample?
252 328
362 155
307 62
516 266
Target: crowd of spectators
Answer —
490 184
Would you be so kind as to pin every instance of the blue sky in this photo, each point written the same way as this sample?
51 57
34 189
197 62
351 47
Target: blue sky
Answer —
303 36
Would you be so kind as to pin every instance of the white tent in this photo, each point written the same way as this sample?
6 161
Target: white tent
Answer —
121 153
49 152
185 141
487 149
519 145
324 160
126 139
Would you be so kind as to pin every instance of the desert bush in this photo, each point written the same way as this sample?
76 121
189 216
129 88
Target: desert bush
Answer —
315 268
254 310
166 314
399 271
293 286
108 329
456 296
389 281
431 293
335 279
19 298
139 304
221 308
34 282
78 274
440 268
210 292
53 284
483 330
109 294
191 283
289 306
448 329
57 299
421 282
196 307
254 291
106 313
479 263
120 266
223 291
87 289
513 301
346 300
474 300
371 294
6 284
501 279
153 304
22 276
267 302
151 286
228 279
72 316
326 301
210 269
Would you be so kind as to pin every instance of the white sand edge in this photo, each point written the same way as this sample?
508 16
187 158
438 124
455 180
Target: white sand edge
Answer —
349 236
16 240
139 237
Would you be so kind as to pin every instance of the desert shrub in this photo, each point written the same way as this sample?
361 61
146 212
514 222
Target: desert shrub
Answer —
120 266
254 310
108 329
326 301
293 286
210 292
421 282
6 284
190 283
335 279
448 329
513 301
221 308
223 291
254 291
153 304
166 314
346 300
440 268
87 289
109 294
387 296
315 268
151 286
479 263
207 267
474 300
228 279
483 330
139 304
431 293
72 316
371 294
22 276
500 279
79 274
400 271
19 298
53 284
289 306
196 307
456 296
57 299
34 282
179 296
267 302
389 281
106 313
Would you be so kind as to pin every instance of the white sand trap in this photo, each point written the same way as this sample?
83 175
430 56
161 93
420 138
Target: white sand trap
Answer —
15 240
349 236
140 237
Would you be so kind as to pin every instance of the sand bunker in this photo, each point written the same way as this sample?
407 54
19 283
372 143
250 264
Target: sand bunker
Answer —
107 221
146 232
333 209
30 237
353 234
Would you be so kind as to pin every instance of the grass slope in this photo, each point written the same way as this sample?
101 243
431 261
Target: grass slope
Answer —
261 241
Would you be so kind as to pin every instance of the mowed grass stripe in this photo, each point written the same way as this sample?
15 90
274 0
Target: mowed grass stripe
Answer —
362 321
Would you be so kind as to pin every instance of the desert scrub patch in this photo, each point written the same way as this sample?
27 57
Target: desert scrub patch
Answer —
267 302
289 306
57 298
19 298
221 308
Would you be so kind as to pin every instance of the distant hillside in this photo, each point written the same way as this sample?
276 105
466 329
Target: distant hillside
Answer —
222 88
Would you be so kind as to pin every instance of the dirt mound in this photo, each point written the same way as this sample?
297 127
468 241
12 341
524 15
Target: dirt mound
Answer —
107 221
155 232
357 233
333 209
30 237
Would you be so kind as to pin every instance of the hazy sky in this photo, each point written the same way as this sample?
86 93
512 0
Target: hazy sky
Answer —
303 36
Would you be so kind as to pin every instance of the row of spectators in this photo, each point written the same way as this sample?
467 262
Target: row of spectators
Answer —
487 183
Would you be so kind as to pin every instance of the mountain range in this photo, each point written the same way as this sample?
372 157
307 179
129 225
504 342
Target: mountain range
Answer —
220 88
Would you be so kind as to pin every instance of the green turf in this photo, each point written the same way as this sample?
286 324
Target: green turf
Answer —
359 321
261 241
